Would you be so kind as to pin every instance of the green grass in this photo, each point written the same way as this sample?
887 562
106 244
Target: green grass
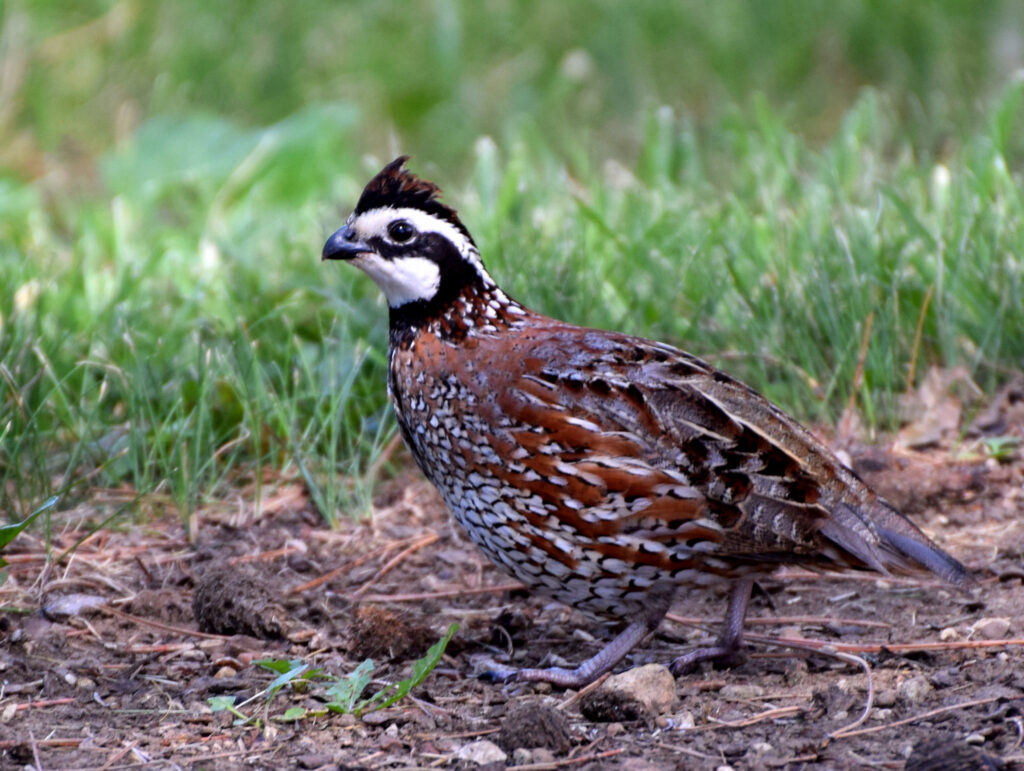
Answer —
165 322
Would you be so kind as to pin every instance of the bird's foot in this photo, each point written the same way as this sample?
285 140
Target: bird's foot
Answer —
498 676
563 678
725 656
591 669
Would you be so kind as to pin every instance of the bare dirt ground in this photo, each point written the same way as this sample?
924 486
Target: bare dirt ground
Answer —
102 664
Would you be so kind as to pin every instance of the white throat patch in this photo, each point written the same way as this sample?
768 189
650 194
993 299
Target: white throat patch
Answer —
403 279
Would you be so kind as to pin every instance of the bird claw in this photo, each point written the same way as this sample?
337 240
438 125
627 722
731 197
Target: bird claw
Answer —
499 676
725 657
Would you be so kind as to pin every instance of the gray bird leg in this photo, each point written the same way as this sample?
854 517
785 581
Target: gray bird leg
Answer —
727 650
657 603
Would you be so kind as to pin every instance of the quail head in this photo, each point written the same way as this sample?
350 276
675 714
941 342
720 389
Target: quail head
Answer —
606 471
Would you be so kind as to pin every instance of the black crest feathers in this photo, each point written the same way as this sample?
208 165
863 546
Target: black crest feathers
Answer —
397 187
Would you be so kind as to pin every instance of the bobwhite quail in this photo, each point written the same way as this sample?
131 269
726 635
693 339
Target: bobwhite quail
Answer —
603 470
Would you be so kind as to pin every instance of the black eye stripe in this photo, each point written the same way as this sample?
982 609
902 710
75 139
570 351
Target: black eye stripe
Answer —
423 246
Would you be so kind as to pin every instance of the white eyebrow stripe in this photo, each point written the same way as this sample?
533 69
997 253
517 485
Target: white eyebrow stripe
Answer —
375 222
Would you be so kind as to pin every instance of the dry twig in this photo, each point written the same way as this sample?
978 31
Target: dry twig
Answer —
161 626
915 718
42 704
876 648
35 750
768 714
345 568
394 561
702 623
266 556
10 744
583 691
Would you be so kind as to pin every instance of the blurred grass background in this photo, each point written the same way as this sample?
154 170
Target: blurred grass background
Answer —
756 182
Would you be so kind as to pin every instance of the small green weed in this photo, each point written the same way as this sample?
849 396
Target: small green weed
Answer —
344 693
9 532
1001 448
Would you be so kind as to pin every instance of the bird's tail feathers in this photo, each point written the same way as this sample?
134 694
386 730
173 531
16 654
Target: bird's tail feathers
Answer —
888 542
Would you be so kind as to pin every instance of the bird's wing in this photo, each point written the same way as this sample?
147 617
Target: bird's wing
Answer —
654 444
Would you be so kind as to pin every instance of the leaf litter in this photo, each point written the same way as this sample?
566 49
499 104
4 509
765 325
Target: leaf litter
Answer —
124 675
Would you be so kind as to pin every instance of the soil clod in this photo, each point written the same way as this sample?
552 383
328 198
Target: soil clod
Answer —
237 600
944 754
531 724
377 633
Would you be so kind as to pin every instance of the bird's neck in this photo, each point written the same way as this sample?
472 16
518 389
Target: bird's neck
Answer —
478 308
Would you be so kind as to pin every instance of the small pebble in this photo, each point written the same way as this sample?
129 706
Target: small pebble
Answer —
388 743
60 607
614 729
381 717
683 720
975 738
639 764
543 755
481 753
949 634
755 756
652 685
885 698
643 691
741 691
225 672
881 714
915 689
582 634
300 564
991 628
521 756
313 760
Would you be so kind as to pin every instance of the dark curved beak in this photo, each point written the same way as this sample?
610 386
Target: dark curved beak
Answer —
344 245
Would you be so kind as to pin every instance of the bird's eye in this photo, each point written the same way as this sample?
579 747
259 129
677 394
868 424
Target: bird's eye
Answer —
400 231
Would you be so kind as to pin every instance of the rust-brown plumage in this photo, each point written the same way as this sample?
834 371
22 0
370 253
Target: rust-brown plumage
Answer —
604 470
